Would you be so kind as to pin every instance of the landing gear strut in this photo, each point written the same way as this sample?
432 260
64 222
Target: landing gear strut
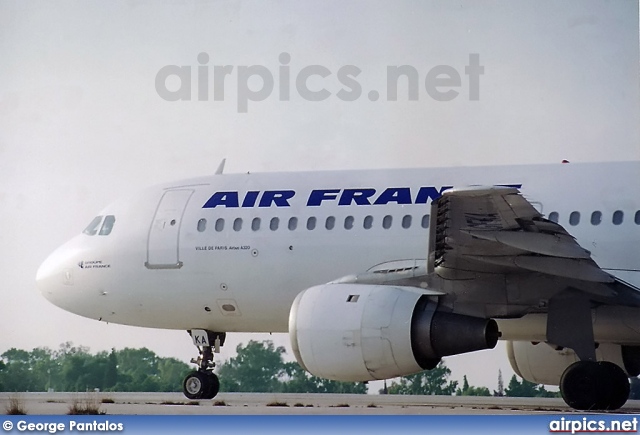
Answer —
203 383
590 385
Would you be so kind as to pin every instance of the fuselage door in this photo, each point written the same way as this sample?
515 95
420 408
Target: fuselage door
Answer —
163 246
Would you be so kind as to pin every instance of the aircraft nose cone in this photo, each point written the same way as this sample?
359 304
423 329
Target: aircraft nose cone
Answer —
53 275
74 278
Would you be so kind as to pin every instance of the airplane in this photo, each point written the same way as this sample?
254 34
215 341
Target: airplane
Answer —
377 274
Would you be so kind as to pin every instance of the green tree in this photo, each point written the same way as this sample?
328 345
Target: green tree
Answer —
257 367
467 390
82 371
28 371
428 382
3 368
111 371
73 368
67 348
171 373
45 368
526 389
136 362
69 361
17 371
137 370
300 381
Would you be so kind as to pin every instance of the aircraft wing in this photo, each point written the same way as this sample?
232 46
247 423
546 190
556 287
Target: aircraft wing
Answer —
495 230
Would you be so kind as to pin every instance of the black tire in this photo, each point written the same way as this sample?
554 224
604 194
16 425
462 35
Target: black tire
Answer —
615 386
579 385
590 385
214 386
196 385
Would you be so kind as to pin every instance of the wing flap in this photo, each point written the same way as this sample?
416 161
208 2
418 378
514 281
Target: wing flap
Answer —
499 226
554 245
497 232
561 267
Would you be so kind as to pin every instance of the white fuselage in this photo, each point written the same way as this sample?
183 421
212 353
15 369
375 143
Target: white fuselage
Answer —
205 253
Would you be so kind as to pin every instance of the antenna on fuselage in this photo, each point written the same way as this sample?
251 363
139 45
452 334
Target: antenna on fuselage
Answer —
221 167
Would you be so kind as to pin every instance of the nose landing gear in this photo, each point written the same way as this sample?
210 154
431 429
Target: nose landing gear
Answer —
203 383
199 385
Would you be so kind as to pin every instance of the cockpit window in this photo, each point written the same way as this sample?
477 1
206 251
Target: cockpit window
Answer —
92 228
107 225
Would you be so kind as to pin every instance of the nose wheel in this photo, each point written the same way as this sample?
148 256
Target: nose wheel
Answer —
203 383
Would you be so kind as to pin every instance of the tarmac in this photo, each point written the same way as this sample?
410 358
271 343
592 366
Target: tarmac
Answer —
280 403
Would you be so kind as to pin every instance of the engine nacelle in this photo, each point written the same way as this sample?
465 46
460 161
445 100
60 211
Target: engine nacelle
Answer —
356 332
542 364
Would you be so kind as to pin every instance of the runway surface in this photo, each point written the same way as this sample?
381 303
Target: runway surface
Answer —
267 403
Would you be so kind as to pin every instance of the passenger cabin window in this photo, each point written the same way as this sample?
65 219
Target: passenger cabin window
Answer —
618 217
636 218
237 224
406 221
596 218
274 224
202 225
425 221
92 228
293 224
387 221
255 224
368 222
574 218
553 216
330 223
348 222
107 225
311 223
219 224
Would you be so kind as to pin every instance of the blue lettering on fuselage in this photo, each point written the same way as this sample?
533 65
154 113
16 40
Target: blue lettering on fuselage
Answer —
400 195
344 197
357 196
317 196
279 198
250 198
225 199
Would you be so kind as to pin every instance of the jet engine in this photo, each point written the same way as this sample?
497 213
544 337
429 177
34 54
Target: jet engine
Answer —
543 364
358 332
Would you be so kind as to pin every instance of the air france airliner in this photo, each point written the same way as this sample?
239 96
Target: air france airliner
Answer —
379 273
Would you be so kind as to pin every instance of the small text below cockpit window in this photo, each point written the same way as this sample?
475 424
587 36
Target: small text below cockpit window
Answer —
92 228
